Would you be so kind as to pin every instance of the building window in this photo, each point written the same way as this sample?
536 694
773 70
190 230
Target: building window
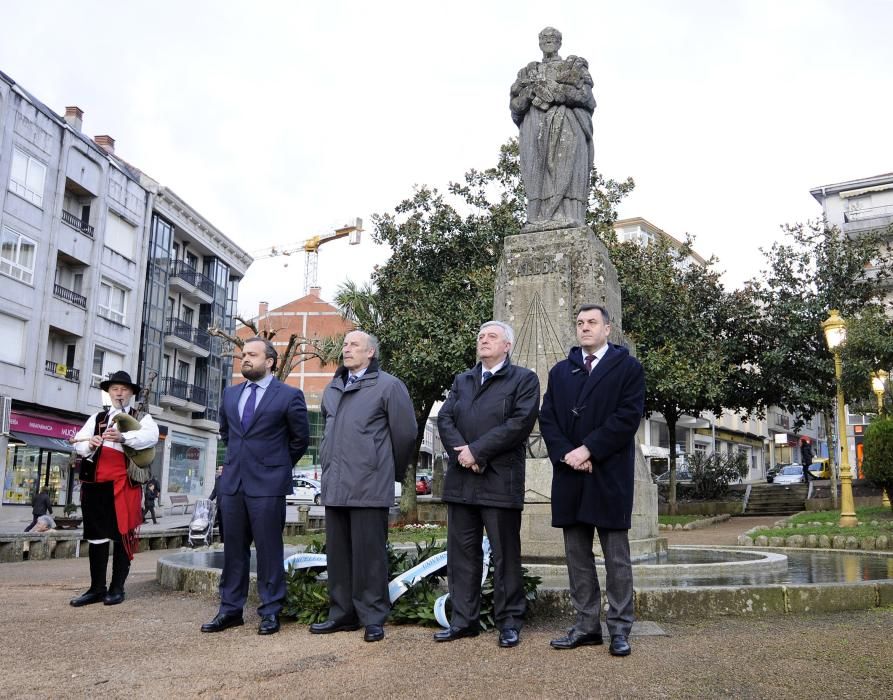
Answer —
104 363
112 302
186 473
17 254
27 177
12 349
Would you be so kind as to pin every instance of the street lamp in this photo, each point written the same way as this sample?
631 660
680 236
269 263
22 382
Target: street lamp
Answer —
878 382
835 335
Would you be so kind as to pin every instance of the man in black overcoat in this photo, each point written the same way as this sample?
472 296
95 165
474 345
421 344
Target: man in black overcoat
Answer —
592 408
484 426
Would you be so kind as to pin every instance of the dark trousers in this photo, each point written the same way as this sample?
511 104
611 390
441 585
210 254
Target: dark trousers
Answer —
33 523
584 585
150 508
465 531
259 519
357 563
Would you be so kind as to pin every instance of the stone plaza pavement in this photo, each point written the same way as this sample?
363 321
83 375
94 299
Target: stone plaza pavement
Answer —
150 646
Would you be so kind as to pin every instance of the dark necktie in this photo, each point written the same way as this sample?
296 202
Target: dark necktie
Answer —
485 376
248 410
351 379
588 363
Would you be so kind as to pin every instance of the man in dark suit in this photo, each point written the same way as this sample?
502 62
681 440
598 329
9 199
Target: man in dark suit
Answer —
591 411
40 505
484 425
263 423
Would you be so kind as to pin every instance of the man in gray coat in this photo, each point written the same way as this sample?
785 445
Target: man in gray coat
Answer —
370 434
484 425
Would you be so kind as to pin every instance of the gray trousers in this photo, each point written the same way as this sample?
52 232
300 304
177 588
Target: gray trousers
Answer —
357 563
585 589
465 531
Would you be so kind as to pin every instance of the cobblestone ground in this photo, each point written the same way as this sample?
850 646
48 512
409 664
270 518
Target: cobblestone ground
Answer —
151 647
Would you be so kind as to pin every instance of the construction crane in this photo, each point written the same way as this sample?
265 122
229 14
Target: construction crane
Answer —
311 250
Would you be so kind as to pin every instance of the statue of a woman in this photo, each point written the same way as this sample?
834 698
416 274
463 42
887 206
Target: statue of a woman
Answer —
552 104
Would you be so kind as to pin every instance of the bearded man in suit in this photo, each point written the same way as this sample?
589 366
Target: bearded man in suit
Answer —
263 423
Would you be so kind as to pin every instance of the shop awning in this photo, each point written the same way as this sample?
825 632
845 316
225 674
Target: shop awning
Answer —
655 452
47 443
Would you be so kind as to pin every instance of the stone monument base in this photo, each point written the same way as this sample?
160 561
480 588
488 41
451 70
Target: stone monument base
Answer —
542 542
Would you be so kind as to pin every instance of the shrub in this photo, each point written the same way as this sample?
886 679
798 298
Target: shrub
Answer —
877 462
712 474
307 599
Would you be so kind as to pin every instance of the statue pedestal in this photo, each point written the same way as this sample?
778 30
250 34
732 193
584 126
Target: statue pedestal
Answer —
541 281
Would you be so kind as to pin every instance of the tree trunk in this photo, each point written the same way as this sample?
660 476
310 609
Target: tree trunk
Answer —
671 429
834 459
409 507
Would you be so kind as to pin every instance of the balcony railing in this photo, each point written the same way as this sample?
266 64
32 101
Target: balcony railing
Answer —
176 387
76 223
191 334
189 274
57 369
868 213
198 394
69 296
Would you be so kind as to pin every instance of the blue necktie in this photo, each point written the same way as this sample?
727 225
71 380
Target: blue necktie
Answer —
351 379
485 376
248 410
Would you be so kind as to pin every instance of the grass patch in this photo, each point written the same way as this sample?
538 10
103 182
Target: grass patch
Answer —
830 518
679 519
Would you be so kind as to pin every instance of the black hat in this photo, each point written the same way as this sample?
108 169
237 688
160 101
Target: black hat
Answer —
119 377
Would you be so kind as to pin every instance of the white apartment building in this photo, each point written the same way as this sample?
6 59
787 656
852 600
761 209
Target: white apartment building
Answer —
102 269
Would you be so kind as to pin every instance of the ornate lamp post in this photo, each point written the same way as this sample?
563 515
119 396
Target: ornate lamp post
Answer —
835 335
878 382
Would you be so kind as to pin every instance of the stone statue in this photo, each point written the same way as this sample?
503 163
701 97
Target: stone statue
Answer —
552 104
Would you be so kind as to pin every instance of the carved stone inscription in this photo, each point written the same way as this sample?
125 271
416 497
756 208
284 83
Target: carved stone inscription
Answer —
538 266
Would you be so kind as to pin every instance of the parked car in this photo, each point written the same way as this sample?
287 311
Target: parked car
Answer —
790 474
682 476
820 468
423 486
304 491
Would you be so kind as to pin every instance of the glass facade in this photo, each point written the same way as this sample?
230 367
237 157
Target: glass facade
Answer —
186 472
29 468
157 272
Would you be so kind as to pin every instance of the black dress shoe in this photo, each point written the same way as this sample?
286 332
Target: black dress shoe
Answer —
509 637
222 622
114 597
575 639
451 633
269 624
330 626
88 598
620 646
374 633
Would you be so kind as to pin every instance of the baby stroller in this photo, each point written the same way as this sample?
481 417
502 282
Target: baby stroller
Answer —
201 527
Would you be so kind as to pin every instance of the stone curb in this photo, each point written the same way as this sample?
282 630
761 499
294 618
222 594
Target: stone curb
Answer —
752 538
696 524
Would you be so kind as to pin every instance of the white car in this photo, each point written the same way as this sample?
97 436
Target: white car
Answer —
791 474
304 491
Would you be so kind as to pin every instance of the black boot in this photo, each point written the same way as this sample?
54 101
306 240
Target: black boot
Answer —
120 569
99 562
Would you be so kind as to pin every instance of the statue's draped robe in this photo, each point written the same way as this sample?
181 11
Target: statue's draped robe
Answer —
555 142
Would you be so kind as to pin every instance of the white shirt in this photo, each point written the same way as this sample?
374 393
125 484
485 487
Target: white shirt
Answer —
137 439
493 370
599 354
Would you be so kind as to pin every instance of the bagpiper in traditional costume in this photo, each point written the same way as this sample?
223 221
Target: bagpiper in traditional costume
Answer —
111 502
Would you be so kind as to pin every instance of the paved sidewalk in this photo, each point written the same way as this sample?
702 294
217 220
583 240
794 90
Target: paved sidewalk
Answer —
150 647
724 533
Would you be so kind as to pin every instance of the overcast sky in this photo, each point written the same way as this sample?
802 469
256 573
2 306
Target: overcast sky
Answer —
278 121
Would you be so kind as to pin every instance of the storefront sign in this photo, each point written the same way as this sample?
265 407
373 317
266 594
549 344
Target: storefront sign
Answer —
47 427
